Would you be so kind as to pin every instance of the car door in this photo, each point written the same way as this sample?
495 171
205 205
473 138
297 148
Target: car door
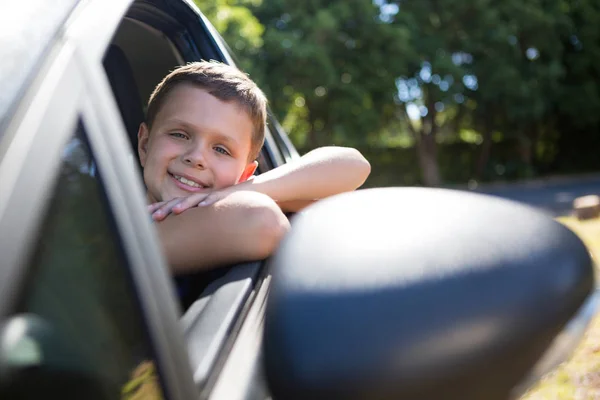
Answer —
148 39
85 263
86 307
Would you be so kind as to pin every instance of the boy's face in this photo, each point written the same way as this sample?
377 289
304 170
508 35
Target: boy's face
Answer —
198 143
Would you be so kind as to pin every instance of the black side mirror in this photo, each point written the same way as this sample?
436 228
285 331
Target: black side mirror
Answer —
419 294
37 363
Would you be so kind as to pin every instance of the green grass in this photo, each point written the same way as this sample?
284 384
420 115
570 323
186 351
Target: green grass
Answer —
578 378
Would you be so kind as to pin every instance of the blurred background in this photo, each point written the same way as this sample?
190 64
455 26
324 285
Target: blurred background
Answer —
501 97
432 92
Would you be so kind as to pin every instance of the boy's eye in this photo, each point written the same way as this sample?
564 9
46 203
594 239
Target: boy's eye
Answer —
178 135
221 150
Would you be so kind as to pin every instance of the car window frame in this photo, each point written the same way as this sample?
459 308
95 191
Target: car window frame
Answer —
114 137
225 303
124 189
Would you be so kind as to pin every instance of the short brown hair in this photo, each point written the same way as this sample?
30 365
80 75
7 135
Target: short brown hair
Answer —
223 81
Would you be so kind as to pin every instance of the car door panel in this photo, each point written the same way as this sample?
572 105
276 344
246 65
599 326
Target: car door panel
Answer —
209 322
74 91
30 154
50 227
241 376
23 44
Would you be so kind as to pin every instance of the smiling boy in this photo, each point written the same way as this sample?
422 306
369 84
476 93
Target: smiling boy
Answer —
204 129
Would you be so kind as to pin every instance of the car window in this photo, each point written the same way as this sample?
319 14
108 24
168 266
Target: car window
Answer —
79 284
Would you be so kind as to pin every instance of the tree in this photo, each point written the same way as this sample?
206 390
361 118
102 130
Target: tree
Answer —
519 69
496 66
433 90
357 71
240 29
331 67
577 117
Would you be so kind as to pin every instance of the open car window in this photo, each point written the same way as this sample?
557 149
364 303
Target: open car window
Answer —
149 42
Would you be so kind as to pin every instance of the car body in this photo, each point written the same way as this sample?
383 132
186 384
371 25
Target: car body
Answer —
87 307
73 98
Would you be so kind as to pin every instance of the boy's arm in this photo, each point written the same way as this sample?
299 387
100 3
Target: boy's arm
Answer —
294 205
318 174
323 172
243 226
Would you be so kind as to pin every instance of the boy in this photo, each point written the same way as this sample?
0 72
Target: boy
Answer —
204 129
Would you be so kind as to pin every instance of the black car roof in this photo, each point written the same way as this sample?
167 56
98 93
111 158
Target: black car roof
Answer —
27 30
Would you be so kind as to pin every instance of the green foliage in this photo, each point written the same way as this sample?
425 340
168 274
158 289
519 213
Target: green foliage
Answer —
239 27
430 75
331 67
577 117
398 166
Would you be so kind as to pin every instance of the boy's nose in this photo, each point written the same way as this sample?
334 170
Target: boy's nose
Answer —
195 159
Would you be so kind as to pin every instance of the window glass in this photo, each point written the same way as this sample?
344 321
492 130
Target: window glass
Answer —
79 284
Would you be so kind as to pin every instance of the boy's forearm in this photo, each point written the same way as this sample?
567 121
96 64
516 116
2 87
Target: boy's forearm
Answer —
245 226
318 174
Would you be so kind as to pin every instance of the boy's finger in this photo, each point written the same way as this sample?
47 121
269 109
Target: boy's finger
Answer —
154 206
189 202
165 209
208 200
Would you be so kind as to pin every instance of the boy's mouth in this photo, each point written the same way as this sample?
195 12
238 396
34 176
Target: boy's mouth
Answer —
187 182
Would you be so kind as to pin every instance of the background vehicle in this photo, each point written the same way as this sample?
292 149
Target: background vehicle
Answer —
87 307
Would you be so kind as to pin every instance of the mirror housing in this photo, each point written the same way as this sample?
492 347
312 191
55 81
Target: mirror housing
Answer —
413 293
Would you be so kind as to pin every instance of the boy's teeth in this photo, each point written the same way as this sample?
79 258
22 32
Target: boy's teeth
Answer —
187 181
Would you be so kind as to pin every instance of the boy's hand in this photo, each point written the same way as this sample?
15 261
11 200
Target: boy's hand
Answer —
162 209
178 205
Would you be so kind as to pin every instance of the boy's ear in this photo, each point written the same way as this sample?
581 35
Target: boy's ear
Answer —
248 171
143 134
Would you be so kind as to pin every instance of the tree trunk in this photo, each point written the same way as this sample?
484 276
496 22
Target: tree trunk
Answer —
312 141
484 154
426 148
427 152
535 135
524 147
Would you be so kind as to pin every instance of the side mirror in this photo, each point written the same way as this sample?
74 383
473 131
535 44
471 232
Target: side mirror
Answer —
409 293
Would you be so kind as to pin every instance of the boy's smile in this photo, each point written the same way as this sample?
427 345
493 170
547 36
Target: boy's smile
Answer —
196 143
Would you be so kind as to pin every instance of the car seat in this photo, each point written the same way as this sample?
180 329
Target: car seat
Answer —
125 90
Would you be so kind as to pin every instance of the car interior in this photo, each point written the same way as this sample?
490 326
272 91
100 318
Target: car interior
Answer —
148 45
